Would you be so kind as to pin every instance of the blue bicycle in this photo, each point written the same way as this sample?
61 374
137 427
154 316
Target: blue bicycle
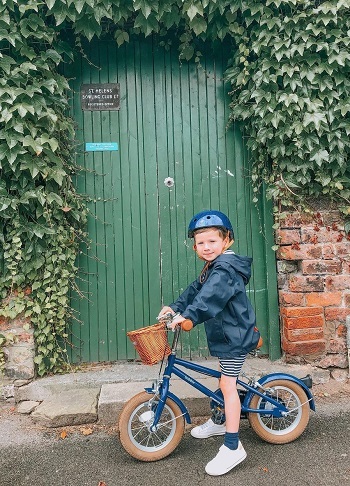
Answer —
152 423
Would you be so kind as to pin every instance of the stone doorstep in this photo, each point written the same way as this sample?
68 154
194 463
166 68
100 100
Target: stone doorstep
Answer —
103 405
72 407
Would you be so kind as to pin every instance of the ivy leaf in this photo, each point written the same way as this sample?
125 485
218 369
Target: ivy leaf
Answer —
58 175
320 156
339 58
199 25
121 37
193 10
31 166
53 55
6 62
36 145
50 3
316 118
45 139
54 197
79 5
144 7
88 26
147 26
5 17
4 203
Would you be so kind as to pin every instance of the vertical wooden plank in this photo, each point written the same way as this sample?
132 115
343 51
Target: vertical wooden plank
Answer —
78 299
118 223
214 162
165 165
126 232
182 77
151 180
89 335
272 314
110 124
136 176
102 161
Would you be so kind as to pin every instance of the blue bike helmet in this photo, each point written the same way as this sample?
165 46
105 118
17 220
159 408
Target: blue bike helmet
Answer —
208 219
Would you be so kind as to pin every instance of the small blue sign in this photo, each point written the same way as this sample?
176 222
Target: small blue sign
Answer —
101 146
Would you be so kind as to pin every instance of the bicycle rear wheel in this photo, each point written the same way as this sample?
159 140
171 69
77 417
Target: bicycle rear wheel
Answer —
134 428
281 430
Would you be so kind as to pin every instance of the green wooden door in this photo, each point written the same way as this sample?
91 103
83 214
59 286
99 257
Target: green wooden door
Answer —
176 156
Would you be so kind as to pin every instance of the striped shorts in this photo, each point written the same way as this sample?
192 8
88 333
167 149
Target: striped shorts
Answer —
232 367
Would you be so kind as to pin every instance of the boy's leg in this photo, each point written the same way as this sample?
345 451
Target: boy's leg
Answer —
228 385
232 452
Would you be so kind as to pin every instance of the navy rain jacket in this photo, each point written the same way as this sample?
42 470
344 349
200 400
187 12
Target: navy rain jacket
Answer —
222 304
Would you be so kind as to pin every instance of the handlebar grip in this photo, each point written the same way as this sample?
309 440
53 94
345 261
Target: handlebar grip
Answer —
186 325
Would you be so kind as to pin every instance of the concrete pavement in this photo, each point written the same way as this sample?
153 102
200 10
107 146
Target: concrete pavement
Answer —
98 394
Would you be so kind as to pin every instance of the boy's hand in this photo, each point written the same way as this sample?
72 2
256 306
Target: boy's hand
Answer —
165 310
176 321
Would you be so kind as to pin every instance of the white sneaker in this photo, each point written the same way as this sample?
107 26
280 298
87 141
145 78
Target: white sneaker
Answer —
207 430
225 460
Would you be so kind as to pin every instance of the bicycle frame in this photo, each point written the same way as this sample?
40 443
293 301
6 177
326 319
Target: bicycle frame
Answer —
161 387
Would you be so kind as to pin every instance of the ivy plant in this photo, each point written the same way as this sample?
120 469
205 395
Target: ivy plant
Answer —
289 78
291 87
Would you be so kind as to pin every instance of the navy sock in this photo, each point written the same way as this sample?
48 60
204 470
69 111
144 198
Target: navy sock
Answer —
231 440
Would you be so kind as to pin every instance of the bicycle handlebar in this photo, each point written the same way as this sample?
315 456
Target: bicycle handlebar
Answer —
186 325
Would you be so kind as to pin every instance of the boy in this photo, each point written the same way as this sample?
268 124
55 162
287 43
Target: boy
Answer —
218 298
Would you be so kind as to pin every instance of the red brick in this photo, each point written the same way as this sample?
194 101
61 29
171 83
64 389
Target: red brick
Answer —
290 298
328 252
336 313
296 220
324 299
323 235
303 322
333 361
337 282
301 311
304 348
25 337
333 217
320 267
287 236
302 283
5 324
342 249
305 252
341 331
345 267
347 299
297 335
337 346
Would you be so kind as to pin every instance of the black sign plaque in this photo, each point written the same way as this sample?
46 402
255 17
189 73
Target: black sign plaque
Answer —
100 97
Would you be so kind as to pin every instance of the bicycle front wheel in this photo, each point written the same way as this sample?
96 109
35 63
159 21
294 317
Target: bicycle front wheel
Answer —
281 430
135 432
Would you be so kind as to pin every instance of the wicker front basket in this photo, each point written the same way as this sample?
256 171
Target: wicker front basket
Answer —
151 343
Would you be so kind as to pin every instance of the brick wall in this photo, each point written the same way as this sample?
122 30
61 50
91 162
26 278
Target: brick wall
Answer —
314 288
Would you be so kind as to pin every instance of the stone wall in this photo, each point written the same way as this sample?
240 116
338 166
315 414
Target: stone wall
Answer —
20 349
314 289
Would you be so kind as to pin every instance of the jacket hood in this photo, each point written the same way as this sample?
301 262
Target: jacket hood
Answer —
241 264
